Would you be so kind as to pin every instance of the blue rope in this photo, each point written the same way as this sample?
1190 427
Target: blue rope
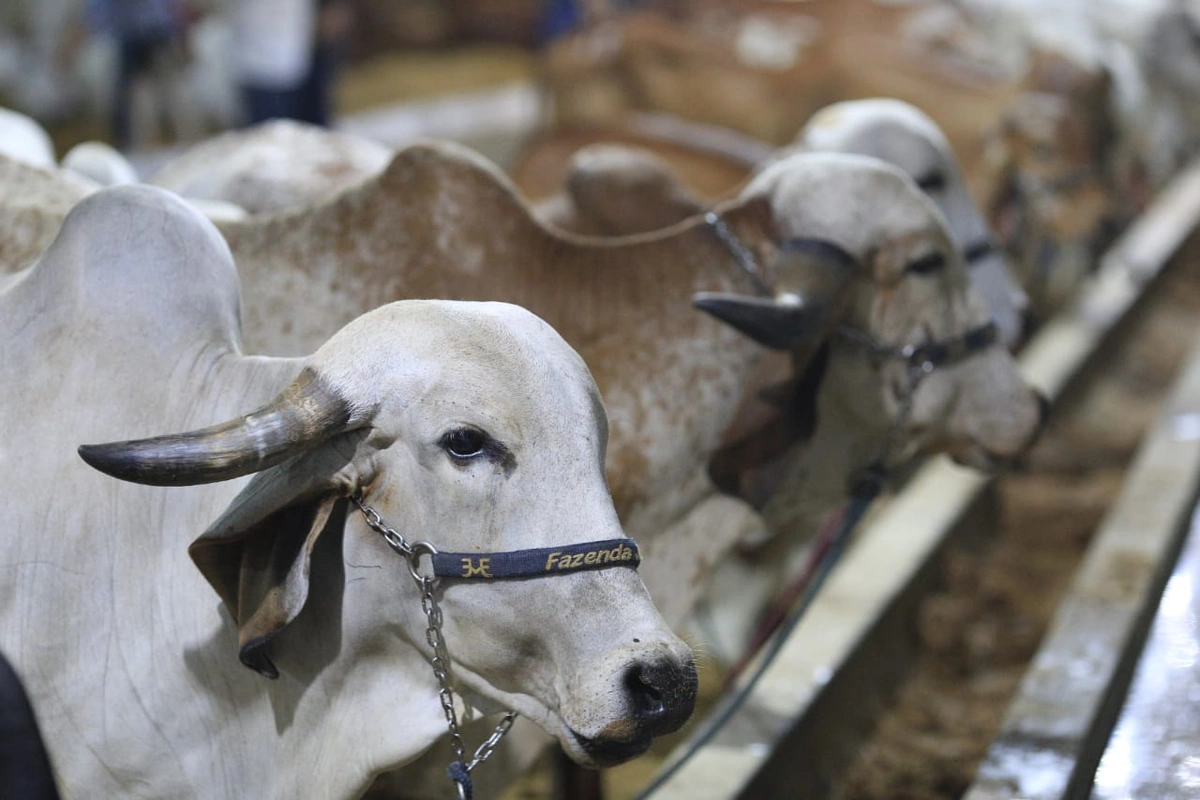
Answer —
459 774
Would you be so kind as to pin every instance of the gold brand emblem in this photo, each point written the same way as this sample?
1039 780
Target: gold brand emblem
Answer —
472 570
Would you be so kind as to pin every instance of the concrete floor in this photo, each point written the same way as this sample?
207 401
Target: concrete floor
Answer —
1154 752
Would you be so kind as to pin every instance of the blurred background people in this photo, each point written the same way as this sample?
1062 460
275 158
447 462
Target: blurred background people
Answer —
285 51
152 55
272 47
335 24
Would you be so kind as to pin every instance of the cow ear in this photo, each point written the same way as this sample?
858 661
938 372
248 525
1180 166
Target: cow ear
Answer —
258 554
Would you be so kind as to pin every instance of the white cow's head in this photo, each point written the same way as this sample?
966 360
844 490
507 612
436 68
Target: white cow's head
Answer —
901 134
863 254
473 426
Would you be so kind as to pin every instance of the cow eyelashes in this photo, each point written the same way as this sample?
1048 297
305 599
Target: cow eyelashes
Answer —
926 265
464 445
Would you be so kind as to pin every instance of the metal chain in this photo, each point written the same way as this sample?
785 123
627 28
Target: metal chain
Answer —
441 664
485 750
437 643
376 523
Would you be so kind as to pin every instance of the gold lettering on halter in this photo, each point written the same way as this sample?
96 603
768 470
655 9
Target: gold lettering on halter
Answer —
560 561
480 570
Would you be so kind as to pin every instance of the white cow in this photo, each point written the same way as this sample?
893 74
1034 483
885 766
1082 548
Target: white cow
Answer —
902 134
274 166
471 425
100 163
22 138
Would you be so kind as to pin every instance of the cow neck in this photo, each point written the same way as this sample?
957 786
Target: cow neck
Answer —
625 304
815 477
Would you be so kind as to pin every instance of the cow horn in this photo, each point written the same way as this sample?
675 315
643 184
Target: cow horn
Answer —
790 320
305 413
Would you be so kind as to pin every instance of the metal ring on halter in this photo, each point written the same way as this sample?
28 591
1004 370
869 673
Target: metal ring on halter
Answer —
415 551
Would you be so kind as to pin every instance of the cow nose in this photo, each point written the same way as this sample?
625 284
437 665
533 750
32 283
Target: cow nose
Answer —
661 694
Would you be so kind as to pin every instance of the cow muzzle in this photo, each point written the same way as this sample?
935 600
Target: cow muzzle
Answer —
976 456
658 695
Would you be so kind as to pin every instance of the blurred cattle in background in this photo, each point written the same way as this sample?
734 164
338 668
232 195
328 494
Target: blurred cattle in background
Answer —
610 189
716 160
275 166
1066 118
38 192
764 68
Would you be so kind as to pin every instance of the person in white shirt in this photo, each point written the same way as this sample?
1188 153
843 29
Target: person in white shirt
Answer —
273 50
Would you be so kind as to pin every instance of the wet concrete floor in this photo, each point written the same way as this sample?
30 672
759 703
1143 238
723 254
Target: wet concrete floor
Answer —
1154 752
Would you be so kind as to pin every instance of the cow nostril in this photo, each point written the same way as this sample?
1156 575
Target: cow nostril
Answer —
645 697
661 694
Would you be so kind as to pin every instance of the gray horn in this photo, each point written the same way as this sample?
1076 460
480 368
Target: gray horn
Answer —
306 413
790 319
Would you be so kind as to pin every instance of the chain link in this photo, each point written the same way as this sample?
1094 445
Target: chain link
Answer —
437 643
485 750
441 665
376 523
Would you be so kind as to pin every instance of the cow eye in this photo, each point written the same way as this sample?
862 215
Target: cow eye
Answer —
932 182
926 265
464 443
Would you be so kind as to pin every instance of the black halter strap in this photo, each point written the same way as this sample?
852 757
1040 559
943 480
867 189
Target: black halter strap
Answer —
537 562
931 355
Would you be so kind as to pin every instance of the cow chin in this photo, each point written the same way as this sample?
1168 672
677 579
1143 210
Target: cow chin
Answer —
602 752
657 696
979 459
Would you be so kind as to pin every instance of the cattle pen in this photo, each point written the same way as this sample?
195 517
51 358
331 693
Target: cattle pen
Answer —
1013 610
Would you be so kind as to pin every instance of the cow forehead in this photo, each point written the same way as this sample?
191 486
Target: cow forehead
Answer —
888 129
487 356
859 202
